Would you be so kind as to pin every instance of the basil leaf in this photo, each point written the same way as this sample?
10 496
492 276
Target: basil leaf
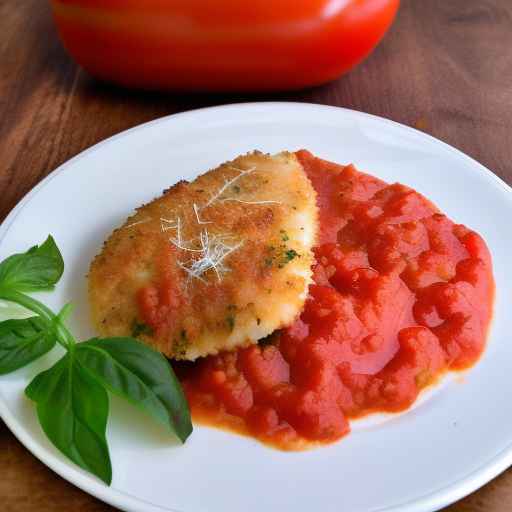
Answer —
142 376
40 268
22 341
73 409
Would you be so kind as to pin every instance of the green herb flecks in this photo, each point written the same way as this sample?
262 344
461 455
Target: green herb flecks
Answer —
231 317
72 396
284 235
290 255
281 255
180 346
230 321
139 328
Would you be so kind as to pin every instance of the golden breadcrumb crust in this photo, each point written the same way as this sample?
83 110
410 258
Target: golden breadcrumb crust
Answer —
229 256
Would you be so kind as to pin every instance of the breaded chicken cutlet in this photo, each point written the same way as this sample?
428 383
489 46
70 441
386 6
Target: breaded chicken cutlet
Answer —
211 265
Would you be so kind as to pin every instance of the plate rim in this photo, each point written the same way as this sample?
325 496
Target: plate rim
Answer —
429 502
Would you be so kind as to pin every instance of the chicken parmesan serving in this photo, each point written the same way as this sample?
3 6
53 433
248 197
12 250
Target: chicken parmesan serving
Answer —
294 294
214 264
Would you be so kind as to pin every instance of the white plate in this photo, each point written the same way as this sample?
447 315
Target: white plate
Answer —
457 439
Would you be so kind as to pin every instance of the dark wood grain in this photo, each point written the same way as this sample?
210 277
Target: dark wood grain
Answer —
445 67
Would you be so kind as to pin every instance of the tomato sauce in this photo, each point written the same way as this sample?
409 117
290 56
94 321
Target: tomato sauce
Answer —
401 295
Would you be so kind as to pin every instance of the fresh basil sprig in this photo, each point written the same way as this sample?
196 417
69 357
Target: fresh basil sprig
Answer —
72 408
23 341
141 375
71 396
40 268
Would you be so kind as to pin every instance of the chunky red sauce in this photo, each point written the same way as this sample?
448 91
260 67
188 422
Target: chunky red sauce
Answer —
401 295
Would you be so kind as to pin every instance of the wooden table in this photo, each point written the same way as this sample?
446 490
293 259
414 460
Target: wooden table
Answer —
445 67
